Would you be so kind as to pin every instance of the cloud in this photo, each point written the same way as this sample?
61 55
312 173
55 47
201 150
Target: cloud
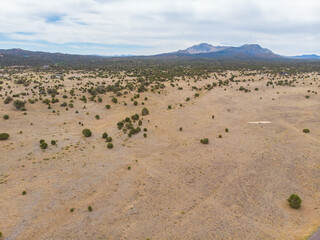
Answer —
287 27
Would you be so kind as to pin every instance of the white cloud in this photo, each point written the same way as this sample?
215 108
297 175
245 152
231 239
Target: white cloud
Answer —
287 27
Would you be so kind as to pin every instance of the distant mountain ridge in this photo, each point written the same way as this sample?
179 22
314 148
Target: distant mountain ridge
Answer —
253 52
311 56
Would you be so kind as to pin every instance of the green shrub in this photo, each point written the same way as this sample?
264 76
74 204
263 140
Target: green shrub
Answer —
107 106
8 100
104 135
90 209
180 129
135 117
135 103
306 130
19 104
4 136
24 193
294 201
169 107
72 210
109 145
86 132
114 100
53 142
43 145
145 135
204 141
120 125
144 112
41 141
109 139
5 117
97 117
227 130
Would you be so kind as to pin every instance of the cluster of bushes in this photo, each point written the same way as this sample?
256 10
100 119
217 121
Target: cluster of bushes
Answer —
127 125
19 105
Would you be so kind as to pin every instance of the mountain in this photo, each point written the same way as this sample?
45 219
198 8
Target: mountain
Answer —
205 50
244 51
202 48
312 56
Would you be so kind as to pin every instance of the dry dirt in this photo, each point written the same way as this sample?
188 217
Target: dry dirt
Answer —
236 187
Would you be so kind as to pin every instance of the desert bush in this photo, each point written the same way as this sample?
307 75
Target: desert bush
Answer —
86 132
226 130
169 107
109 139
107 106
8 100
144 112
24 193
97 117
145 135
104 135
135 103
19 104
180 129
109 145
135 117
53 142
306 130
5 117
4 136
114 100
120 125
204 140
294 201
43 145
90 209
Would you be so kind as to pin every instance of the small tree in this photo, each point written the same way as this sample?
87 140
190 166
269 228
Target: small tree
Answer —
294 201
86 132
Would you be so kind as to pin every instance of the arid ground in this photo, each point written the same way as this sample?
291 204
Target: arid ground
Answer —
166 185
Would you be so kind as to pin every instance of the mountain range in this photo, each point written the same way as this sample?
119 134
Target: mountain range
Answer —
202 51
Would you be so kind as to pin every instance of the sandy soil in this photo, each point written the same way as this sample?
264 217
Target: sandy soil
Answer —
177 188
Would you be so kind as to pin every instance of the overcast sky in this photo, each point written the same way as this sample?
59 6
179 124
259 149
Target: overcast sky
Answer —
110 27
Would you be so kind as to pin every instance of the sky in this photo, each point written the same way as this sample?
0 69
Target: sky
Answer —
146 27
